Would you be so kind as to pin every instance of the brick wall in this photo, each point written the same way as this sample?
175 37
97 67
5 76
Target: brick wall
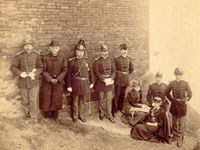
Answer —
96 21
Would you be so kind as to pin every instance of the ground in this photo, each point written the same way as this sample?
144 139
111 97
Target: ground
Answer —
17 133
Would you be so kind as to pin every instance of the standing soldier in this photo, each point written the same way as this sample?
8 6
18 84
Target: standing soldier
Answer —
124 68
178 92
104 69
55 68
79 81
157 89
27 65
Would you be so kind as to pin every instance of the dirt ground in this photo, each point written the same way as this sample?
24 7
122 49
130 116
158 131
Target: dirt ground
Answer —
17 133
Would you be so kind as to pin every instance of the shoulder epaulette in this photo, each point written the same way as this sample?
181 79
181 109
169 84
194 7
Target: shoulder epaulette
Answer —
97 58
70 59
36 52
116 57
110 57
20 52
42 53
86 57
130 58
184 81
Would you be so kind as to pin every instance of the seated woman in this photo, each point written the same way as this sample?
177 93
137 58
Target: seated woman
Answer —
156 126
134 111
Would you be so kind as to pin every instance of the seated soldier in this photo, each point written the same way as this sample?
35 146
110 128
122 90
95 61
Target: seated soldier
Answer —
156 126
134 111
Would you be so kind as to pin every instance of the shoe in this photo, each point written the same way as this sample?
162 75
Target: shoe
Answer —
173 139
82 119
101 117
111 120
180 141
57 121
75 120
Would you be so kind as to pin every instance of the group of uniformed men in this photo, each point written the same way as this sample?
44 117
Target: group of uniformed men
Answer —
78 75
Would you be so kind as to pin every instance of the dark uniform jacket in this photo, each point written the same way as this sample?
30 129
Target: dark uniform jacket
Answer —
104 68
156 90
55 67
24 62
80 75
124 67
178 93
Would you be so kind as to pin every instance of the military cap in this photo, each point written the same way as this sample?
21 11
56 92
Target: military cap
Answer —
104 48
80 47
178 71
27 42
54 43
159 75
123 46
136 82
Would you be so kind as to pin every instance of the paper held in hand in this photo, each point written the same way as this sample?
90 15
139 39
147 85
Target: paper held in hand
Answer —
109 81
144 108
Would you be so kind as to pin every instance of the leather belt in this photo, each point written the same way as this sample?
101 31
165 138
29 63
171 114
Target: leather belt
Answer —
180 99
80 78
122 72
106 75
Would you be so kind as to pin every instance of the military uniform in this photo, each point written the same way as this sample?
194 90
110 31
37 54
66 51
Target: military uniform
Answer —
55 67
103 69
29 88
79 77
124 67
156 90
178 92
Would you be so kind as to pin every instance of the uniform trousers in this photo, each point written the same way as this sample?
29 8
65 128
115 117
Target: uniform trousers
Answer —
78 106
30 101
105 97
178 126
120 94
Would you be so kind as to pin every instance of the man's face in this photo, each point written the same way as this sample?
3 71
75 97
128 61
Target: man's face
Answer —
54 50
137 88
124 52
158 79
104 54
79 53
28 48
178 77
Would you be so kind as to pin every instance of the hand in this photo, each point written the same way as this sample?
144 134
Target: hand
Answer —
91 86
32 75
69 89
34 70
23 75
54 81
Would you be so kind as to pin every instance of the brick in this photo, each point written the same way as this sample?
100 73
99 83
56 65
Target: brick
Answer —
94 21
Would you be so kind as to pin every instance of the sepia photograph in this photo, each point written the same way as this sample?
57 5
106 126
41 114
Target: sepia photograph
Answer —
99 75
